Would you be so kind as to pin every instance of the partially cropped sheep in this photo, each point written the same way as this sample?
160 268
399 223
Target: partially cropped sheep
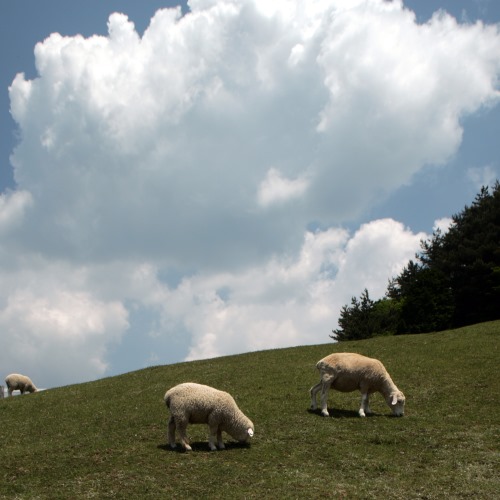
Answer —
15 381
191 403
347 372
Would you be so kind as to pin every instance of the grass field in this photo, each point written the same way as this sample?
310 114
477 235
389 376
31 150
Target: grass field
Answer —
107 439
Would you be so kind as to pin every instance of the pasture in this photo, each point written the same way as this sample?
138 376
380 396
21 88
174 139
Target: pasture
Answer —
107 438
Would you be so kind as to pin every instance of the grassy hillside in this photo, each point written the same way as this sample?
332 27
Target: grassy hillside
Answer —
107 439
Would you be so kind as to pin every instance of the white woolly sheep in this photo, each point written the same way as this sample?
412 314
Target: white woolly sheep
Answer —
15 381
347 372
191 403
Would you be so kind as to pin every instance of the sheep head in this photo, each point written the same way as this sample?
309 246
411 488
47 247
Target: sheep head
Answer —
397 403
244 435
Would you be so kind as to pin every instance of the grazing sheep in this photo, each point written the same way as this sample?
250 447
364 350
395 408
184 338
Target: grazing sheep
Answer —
15 381
191 403
347 372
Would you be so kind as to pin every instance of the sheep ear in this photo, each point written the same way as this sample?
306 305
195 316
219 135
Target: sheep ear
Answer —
250 432
394 399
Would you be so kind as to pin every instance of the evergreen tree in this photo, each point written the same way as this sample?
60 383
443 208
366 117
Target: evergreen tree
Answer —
470 255
455 280
355 321
365 318
424 298
386 315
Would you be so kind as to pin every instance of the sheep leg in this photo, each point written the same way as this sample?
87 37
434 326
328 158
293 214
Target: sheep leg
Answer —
219 439
212 431
181 426
171 432
326 382
211 444
313 392
324 400
368 411
365 404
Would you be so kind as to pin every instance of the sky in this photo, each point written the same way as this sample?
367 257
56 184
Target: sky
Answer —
187 181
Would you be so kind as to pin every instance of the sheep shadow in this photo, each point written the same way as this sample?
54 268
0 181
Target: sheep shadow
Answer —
338 413
202 446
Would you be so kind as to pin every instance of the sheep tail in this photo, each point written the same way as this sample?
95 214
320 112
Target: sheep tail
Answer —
320 365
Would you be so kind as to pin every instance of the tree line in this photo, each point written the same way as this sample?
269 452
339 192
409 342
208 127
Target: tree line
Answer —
454 280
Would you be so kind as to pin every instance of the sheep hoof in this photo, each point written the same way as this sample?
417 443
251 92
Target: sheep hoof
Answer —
188 448
325 413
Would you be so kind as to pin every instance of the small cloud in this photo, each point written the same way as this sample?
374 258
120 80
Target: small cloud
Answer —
482 6
442 225
153 359
482 176
277 189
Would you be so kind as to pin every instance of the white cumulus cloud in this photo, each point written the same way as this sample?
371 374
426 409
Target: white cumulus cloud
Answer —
59 337
442 224
291 301
277 189
204 110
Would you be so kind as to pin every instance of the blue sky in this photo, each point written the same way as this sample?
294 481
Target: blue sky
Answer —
183 184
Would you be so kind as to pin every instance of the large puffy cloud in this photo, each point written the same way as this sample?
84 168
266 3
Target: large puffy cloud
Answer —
292 301
143 146
174 175
60 322
55 334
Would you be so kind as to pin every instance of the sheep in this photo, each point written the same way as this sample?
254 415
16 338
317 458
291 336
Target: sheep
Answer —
21 382
347 372
191 403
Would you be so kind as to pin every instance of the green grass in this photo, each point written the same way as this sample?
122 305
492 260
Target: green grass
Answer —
107 439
